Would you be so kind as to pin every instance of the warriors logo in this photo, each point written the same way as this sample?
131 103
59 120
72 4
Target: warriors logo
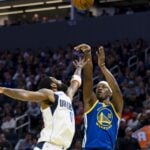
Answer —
104 118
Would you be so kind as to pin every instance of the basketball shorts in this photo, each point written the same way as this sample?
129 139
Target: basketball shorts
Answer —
48 146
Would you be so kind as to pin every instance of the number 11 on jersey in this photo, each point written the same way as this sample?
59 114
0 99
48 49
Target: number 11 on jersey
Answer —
71 116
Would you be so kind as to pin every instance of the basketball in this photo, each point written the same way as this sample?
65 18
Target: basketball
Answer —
82 4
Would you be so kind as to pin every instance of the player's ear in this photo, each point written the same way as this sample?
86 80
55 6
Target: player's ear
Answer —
109 93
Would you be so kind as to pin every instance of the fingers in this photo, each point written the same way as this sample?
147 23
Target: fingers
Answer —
74 63
101 49
97 53
83 47
81 62
79 47
80 59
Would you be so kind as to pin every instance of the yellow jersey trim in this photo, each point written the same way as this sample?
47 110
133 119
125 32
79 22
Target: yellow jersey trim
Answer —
115 110
88 111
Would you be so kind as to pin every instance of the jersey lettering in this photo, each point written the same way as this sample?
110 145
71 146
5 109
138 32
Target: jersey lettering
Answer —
65 104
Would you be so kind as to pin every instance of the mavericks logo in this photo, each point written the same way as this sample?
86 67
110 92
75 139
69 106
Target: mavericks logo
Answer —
104 118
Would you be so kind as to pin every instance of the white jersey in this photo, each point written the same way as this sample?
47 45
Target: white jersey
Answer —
59 123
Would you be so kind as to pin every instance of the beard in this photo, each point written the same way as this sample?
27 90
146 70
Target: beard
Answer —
101 98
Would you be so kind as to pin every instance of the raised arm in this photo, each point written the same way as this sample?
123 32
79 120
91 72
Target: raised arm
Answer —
24 95
117 98
76 78
88 95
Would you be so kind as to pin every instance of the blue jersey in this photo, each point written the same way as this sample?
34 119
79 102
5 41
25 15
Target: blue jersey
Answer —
101 127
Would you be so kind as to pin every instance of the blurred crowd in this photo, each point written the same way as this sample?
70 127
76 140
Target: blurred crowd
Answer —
93 12
35 18
25 68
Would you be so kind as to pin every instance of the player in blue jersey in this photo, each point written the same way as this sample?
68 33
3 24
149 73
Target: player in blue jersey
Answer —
101 113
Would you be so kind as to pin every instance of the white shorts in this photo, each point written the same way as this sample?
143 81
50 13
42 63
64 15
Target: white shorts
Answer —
48 146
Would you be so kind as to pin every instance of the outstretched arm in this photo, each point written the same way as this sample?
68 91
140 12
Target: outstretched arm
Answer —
24 95
88 95
76 78
116 92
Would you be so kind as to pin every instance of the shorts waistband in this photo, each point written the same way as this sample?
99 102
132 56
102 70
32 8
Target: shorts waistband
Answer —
40 145
43 144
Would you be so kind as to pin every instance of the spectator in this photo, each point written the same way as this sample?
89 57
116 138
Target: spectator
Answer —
34 113
129 142
26 143
4 143
35 18
123 125
8 123
133 122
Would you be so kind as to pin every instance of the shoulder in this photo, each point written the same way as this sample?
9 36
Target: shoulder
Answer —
93 99
61 94
48 93
89 103
115 111
44 90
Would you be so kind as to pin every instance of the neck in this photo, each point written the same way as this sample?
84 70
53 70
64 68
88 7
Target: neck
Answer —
106 101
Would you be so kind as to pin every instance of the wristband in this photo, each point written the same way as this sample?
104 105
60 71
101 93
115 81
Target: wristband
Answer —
76 78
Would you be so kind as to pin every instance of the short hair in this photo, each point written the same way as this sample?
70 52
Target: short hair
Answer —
107 85
45 83
63 87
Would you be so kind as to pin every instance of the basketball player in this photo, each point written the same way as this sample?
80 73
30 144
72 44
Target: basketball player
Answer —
56 108
102 114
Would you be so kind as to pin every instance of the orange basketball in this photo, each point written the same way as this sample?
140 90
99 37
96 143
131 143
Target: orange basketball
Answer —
82 4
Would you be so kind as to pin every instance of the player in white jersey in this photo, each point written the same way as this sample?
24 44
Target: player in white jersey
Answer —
56 107
59 121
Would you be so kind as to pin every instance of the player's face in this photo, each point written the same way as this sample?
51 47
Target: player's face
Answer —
53 84
102 91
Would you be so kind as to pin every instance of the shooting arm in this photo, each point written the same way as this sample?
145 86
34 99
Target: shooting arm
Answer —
88 94
88 81
116 93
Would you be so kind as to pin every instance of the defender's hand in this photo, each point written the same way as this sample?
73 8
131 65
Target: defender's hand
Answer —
80 63
58 82
85 48
1 90
101 56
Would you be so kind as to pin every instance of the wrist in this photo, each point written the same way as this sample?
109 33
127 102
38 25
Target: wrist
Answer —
79 67
102 65
88 52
